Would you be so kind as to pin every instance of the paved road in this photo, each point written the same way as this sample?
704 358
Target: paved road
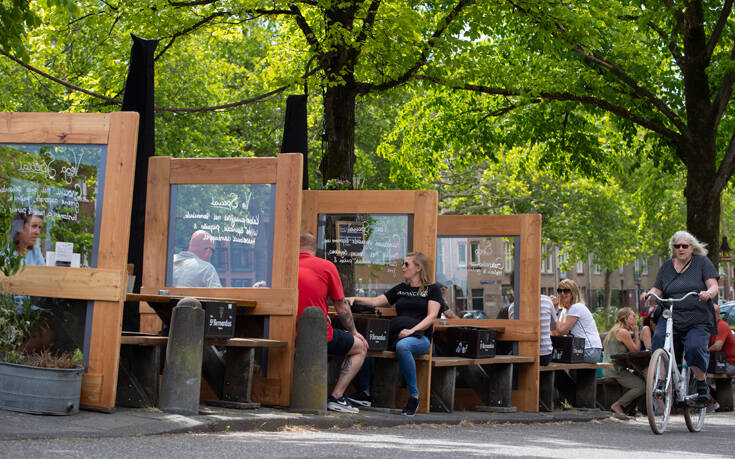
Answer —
594 439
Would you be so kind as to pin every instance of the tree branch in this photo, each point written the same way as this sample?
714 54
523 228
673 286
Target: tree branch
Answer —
724 172
669 44
369 22
364 88
717 30
562 96
306 29
192 28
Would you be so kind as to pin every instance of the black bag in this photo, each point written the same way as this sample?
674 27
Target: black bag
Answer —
362 308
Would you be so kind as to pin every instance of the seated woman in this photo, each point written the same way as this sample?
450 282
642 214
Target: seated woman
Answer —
619 341
417 305
577 320
649 326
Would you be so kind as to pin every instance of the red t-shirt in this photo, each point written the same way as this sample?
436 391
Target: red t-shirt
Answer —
318 278
728 346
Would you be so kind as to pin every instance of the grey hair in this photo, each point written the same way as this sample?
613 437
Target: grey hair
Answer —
700 248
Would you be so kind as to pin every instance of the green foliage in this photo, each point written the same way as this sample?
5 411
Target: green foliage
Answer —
604 318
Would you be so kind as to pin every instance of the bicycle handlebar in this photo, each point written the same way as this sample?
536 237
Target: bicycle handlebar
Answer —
671 300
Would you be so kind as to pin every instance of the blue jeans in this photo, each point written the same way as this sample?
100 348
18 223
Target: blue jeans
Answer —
405 350
592 355
695 342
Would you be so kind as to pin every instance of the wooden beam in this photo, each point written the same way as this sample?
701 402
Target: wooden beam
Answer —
73 283
217 171
67 128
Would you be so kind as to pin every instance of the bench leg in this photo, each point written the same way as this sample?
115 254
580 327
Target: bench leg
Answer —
137 382
500 384
423 381
586 388
238 383
723 393
385 382
546 390
443 383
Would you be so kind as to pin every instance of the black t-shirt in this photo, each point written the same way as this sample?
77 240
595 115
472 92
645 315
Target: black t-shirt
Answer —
411 302
691 311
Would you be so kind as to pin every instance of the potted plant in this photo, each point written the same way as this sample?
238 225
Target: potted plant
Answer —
39 383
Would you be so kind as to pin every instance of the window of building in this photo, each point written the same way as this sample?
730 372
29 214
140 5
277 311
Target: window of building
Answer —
508 256
597 267
474 255
636 266
461 254
478 298
644 266
580 267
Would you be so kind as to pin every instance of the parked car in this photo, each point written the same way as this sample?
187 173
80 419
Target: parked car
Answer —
727 312
475 314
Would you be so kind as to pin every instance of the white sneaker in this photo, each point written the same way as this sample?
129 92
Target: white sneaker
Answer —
341 405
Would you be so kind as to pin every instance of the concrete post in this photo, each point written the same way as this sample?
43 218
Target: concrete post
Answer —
309 384
182 373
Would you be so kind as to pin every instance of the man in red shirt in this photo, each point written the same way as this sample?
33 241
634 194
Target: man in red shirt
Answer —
724 341
318 278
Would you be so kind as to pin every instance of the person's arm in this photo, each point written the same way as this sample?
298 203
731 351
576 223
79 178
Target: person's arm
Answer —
623 335
450 314
342 308
433 310
722 330
565 324
644 295
717 345
376 301
646 337
712 288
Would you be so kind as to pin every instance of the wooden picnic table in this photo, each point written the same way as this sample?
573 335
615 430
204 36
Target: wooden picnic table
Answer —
637 360
164 304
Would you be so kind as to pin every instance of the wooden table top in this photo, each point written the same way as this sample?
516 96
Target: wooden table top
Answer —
152 298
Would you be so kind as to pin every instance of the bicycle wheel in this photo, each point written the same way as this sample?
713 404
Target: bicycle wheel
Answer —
693 415
658 391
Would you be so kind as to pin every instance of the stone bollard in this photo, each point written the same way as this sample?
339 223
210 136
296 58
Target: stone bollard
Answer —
309 383
182 373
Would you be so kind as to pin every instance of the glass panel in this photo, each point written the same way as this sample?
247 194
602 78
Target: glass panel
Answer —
483 288
368 249
221 235
56 192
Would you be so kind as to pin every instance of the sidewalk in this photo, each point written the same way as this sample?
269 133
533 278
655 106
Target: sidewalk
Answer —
134 422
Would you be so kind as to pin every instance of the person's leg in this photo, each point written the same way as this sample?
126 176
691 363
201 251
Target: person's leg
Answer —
695 342
406 348
730 369
354 357
365 375
635 385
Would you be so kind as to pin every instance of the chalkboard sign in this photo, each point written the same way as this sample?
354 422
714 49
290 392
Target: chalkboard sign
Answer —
220 235
62 185
368 249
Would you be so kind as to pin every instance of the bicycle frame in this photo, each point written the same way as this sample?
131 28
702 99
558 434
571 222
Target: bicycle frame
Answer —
678 380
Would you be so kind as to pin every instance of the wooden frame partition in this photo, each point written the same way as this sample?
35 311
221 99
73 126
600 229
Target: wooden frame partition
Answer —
280 301
105 284
524 330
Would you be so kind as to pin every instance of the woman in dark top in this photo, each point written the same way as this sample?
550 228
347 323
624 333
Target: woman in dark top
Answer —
417 304
694 318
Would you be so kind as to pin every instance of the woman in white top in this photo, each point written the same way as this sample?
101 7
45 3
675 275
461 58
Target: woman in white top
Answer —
577 320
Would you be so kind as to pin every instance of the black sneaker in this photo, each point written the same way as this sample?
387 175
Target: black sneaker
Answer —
361 398
411 405
702 392
341 405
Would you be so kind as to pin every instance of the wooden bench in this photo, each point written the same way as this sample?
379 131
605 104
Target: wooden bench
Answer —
383 389
140 364
723 390
578 387
491 378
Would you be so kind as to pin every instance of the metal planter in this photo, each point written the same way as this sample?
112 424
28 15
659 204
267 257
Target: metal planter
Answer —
39 390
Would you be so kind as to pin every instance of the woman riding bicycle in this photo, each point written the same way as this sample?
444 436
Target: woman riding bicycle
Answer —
694 318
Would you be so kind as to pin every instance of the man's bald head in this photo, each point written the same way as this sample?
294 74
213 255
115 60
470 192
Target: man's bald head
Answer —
201 244
307 243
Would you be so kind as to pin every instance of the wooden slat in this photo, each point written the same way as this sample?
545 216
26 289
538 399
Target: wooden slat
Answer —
425 226
392 355
463 361
157 201
364 201
280 360
556 366
309 213
513 330
104 349
269 301
143 340
74 283
221 171
479 225
247 342
250 304
67 128
285 231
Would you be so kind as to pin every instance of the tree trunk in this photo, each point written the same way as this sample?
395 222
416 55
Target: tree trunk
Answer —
339 130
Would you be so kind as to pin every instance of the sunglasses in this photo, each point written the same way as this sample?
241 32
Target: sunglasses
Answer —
681 246
405 264
563 290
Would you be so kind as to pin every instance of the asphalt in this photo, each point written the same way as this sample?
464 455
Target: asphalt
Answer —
125 422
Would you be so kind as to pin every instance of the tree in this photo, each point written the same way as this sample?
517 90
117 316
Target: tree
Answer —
660 66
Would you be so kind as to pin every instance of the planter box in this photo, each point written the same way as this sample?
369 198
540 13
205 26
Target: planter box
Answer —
373 329
567 349
40 390
717 362
472 342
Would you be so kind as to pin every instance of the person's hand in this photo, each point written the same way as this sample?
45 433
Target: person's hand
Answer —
555 301
644 296
350 300
405 332
704 296
358 336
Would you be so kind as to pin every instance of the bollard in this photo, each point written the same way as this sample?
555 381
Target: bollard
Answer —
309 384
182 373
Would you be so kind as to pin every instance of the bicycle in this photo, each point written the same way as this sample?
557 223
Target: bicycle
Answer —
663 377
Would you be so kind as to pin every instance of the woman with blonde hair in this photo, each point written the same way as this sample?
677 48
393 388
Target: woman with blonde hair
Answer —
623 337
577 320
417 304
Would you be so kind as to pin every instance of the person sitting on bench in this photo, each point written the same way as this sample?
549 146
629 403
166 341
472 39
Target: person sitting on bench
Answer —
620 341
